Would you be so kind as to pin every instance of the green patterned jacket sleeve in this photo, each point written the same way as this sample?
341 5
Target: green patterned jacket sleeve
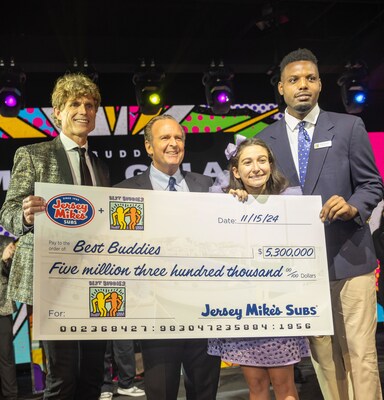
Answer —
33 163
21 186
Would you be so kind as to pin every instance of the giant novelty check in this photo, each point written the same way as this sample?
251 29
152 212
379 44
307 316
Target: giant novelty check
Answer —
120 263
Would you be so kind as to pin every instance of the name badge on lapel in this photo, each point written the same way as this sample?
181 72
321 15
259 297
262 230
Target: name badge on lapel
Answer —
321 145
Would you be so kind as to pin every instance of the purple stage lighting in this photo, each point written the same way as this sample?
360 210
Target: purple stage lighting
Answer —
12 82
222 97
10 100
218 88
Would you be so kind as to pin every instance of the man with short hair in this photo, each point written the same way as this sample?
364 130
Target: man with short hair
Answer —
163 358
75 368
329 154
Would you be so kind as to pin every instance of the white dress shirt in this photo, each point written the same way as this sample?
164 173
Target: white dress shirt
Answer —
160 181
293 131
74 159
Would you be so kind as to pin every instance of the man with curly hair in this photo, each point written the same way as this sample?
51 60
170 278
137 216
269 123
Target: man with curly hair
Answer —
75 368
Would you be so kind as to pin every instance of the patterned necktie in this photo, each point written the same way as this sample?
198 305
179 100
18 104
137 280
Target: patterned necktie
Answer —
304 142
84 170
171 184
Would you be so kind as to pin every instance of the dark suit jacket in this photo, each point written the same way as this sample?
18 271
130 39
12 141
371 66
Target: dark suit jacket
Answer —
196 182
346 168
162 356
40 162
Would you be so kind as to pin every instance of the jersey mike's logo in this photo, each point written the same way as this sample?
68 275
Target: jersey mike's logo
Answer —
70 210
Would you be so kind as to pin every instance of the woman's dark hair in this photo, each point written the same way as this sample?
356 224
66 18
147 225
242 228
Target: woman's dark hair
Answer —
276 183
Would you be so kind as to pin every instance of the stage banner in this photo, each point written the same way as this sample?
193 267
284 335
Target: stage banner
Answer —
114 263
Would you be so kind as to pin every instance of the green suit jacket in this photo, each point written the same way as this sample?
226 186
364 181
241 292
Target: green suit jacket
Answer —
40 162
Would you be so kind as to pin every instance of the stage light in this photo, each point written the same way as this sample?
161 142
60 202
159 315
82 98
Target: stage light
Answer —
222 96
270 17
149 82
353 85
220 99
155 99
10 102
12 82
360 97
218 88
85 68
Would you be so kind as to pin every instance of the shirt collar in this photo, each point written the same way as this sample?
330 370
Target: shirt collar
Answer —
69 144
311 118
163 179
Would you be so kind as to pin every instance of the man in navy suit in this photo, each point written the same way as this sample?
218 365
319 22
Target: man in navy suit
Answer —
163 358
341 168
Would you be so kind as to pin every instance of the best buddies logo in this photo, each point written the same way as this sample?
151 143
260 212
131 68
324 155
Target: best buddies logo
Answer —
70 210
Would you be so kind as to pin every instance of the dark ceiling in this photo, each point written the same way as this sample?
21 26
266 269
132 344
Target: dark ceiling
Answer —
184 36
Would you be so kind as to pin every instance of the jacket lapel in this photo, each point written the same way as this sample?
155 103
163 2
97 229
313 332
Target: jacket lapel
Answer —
193 184
100 170
62 161
197 183
323 133
282 152
144 181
